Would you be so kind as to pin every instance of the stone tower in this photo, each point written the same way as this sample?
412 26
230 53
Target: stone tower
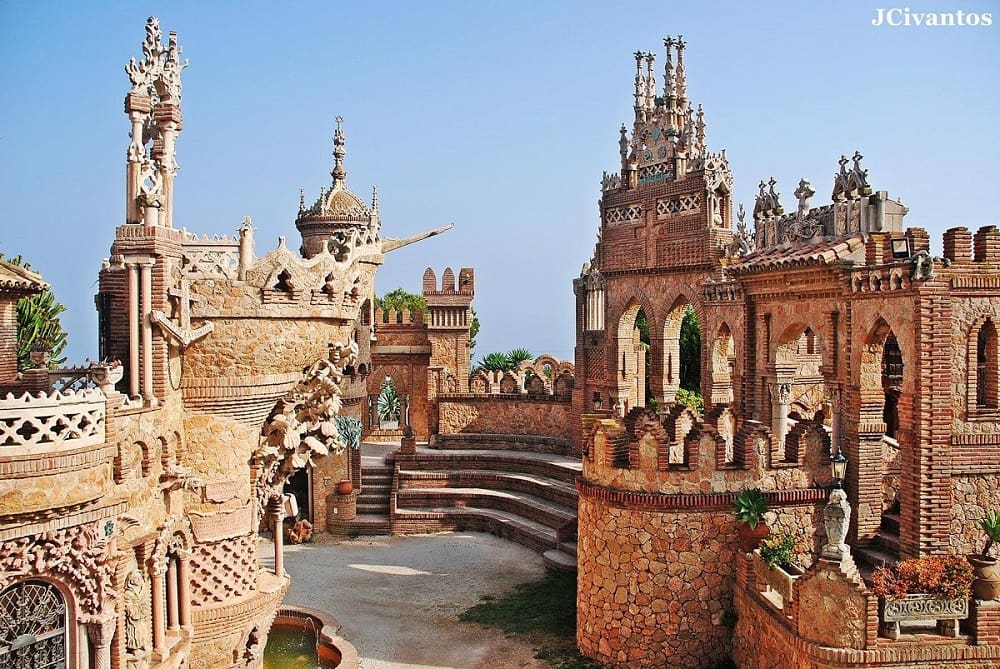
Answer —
665 223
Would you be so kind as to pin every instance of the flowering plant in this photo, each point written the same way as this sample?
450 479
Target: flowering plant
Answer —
944 576
777 550
110 363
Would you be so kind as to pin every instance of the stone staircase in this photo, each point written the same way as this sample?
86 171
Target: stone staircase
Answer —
373 501
486 484
884 550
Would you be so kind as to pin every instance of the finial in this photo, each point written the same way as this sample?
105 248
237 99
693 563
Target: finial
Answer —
302 200
339 173
650 80
804 192
701 126
374 199
669 89
681 77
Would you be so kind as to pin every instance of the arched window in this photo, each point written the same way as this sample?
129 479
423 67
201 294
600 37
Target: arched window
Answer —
986 366
32 626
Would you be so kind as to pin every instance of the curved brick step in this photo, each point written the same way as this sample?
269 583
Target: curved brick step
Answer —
501 523
523 505
363 525
559 467
559 492
560 561
504 442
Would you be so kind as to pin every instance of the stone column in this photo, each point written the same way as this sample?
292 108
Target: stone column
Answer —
277 510
173 617
147 331
159 640
100 630
781 395
133 329
408 444
184 589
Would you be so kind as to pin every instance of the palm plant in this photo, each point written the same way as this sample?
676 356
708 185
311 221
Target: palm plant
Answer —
494 362
38 325
990 525
518 355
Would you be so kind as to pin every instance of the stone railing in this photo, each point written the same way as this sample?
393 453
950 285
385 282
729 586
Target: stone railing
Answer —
210 258
41 423
66 379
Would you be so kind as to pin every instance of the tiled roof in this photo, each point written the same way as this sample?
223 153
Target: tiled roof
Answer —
820 253
17 279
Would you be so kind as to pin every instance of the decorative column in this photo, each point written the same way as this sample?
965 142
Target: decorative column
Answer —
837 520
173 615
408 444
781 395
147 330
100 631
133 328
184 589
159 627
277 510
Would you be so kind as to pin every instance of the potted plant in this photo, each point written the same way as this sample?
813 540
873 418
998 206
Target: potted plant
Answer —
932 587
105 373
750 507
777 555
987 582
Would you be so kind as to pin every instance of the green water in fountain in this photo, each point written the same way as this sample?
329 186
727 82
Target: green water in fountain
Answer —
292 649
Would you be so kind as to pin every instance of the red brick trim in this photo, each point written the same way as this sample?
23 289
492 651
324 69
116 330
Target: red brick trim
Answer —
657 501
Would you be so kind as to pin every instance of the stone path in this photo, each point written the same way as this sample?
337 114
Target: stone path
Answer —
398 598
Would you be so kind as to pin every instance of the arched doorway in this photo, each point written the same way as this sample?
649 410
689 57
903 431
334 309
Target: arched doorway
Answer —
299 485
33 626
632 359
682 355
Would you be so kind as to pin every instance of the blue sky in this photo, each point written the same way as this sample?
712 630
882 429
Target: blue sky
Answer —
497 117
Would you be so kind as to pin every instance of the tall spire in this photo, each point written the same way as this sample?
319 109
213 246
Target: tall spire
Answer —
681 76
339 174
650 81
669 89
640 88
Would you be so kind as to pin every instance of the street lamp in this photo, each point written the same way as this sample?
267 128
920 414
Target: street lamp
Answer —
837 514
838 469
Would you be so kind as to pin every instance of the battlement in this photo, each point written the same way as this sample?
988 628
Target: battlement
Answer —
404 317
466 282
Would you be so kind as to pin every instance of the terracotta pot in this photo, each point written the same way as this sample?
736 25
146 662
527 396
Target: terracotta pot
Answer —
345 487
749 539
986 586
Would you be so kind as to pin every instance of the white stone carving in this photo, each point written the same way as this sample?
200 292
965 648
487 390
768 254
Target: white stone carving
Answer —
302 424
57 421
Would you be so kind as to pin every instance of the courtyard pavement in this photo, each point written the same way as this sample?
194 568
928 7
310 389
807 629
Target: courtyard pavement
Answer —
398 598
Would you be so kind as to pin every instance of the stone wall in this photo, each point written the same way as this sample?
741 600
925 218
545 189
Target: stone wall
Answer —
655 586
548 417
972 497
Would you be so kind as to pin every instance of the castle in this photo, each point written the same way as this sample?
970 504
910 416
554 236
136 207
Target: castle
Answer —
233 390
824 330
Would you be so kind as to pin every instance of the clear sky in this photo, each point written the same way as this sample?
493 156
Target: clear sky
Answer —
498 117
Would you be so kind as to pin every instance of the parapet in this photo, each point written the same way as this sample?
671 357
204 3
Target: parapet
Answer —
466 282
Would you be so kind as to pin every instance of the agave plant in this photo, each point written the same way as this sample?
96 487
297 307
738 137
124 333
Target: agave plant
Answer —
990 525
350 431
518 355
494 362
389 408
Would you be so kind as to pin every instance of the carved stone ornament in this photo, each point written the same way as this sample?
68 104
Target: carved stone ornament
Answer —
768 202
302 424
134 605
836 519
159 72
79 556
